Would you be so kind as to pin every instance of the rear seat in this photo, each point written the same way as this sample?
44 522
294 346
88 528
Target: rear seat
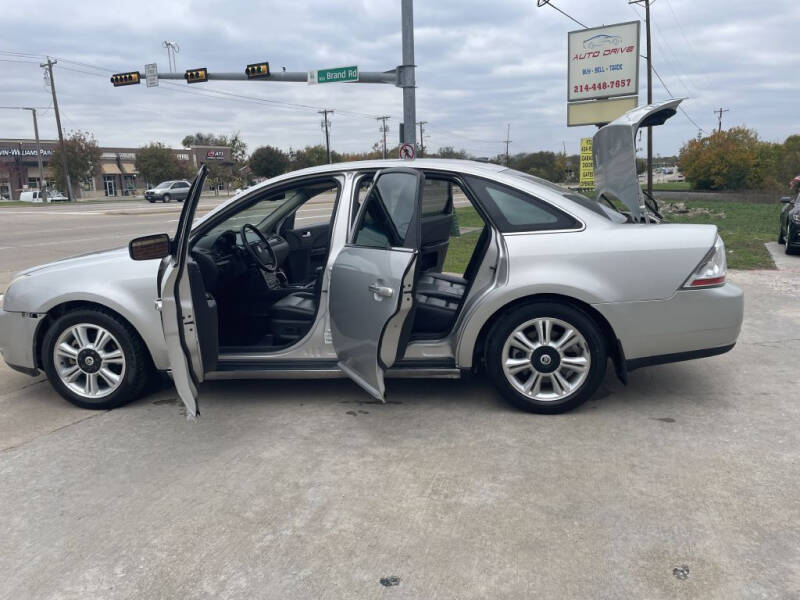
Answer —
438 296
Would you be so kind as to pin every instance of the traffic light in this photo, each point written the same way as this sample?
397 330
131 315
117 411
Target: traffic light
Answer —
196 75
119 79
257 70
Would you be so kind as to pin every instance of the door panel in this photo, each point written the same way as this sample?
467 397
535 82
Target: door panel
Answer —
371 299
308 250
188 313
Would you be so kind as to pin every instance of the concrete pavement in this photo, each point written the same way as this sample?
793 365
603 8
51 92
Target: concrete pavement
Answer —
683 484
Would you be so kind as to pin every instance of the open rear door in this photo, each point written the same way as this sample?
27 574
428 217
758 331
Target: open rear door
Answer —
371 296
188 314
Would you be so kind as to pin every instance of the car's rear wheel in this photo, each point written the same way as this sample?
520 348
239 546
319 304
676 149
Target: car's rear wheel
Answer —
95 360
167 197
546 357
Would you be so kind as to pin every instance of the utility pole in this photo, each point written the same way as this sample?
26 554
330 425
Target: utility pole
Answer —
421 138
719 114
384 129
649 93
406 77
42 186
324 112
508 141
49 64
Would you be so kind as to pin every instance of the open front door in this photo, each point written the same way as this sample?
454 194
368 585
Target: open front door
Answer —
188 313
372 279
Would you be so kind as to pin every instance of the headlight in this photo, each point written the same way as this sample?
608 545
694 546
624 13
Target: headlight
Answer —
712 270
796 218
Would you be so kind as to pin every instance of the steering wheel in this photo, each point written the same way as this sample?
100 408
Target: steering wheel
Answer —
260 248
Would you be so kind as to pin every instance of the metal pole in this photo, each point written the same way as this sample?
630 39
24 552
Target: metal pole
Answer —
407 77
421 138
49 64
649 101
383 130
42 186
325 112
508 141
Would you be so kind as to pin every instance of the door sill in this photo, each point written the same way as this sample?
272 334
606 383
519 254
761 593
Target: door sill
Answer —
328 369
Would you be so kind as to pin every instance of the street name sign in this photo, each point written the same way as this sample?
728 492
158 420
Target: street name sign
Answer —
335 75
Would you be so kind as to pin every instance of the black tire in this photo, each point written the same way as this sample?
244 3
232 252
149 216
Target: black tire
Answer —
781 238
150 201
167 198
576 318
138 366
788 237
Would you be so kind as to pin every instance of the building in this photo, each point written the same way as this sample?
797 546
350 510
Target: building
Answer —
116 176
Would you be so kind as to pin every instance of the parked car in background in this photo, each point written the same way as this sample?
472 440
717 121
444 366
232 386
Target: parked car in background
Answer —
36 196
168 190
789 232
556 285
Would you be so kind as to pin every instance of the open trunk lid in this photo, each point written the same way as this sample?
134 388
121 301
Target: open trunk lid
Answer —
614 154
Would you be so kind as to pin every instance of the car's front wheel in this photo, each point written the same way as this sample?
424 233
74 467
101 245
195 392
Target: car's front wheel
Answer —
781 238
546 357
167 198
95 360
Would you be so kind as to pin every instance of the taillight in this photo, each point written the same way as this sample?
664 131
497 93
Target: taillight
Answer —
712 270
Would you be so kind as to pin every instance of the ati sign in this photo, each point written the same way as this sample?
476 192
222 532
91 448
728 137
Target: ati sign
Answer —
23 152
215 155
603 62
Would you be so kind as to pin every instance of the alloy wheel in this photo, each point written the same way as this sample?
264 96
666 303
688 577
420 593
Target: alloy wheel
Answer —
89 360
546 359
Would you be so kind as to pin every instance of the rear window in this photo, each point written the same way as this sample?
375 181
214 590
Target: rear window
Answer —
435 197
595 206
513 210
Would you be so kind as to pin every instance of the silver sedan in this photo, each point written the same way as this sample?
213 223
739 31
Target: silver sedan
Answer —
423 268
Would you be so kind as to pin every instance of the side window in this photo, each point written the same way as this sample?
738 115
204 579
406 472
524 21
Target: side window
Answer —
317 210
513 210
437 197
387 211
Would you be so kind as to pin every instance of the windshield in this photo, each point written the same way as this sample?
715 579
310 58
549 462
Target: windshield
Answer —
593 205
163 184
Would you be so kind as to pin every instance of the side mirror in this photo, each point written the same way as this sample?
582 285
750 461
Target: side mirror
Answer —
149 247
787 200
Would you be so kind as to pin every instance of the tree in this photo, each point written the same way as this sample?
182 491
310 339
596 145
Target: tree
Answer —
311 156
268 161
218 175
83 158
156 163
728 160
450 152
203 139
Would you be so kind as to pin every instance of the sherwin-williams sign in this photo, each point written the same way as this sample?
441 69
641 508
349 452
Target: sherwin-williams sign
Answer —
338 75
603 62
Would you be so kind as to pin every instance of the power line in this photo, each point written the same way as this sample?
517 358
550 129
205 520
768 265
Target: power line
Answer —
541 3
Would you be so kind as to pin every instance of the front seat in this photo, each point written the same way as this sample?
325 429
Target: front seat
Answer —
291 317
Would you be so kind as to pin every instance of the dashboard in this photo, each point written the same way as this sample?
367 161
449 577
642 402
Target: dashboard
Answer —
223 259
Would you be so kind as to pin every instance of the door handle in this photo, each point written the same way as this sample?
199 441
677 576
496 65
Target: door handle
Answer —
381 290
307 234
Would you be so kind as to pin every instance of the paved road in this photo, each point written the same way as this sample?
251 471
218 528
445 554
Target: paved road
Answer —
306 489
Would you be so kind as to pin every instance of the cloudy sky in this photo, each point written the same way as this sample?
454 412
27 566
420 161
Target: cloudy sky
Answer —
481 65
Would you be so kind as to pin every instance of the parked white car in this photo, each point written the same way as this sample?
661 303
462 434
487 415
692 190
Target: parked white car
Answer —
36 196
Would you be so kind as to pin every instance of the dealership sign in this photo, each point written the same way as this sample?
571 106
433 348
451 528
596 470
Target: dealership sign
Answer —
215 155
603 62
